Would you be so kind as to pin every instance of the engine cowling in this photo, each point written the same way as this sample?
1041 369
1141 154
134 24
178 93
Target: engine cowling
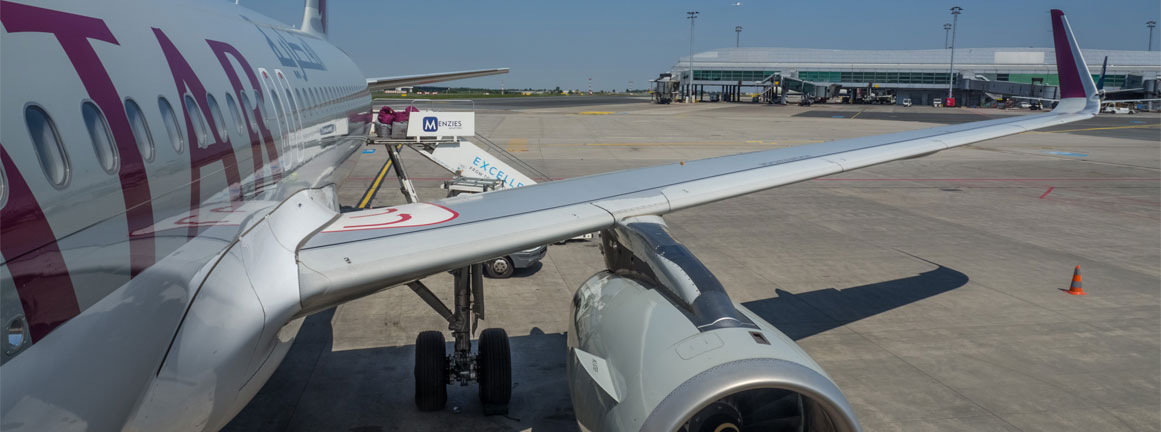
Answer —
679 355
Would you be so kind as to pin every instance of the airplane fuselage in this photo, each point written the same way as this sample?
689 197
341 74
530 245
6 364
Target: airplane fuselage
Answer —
140 142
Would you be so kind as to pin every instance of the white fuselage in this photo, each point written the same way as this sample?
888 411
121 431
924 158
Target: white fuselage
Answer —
148 149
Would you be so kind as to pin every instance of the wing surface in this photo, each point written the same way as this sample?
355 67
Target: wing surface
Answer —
379 84
360 252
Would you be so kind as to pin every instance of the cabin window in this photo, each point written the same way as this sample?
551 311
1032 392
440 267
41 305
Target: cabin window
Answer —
172 127
140 130
101 137
235 115
3 187
216 114
198 120
49 150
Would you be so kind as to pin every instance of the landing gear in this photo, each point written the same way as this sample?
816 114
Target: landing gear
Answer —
430 371
495 363
499 268
491 367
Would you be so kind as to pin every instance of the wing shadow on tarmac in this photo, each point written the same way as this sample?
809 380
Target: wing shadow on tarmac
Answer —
370 390
810 313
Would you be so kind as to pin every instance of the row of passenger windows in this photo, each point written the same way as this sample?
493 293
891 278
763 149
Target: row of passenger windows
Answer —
55 162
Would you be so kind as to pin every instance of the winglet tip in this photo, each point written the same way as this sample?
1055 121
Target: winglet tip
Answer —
1074 79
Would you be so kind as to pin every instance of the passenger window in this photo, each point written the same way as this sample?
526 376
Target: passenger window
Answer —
140 130
3 187
198 120
45 138
216 113
172 127
236 116
101 137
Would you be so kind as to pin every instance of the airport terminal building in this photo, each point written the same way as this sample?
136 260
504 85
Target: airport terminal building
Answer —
921 75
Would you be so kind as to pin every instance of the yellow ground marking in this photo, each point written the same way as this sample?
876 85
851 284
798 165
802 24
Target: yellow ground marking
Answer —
856 114
378 179
1099 128
517 145
375 185
596 112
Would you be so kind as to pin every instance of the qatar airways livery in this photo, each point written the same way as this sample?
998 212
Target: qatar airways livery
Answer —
168 217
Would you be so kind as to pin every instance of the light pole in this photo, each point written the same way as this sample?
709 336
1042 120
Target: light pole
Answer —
738 43
955 11
1151 24
691 16
946 32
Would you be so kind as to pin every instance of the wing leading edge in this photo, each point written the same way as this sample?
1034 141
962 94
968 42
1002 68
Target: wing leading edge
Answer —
361 252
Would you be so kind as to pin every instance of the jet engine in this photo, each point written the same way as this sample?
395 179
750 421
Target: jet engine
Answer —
655 344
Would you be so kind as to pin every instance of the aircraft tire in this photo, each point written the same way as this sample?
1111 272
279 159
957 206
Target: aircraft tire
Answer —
499 268
430 371
495 375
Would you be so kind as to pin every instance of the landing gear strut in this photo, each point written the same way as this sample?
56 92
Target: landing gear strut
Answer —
491 366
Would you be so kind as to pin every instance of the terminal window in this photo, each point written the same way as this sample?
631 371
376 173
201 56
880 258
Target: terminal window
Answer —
731 75
875 77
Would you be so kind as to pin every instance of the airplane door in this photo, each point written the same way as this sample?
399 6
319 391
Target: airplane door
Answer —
277 113
293 115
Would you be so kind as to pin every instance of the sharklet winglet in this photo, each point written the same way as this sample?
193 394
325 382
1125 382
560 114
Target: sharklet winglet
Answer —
1075 80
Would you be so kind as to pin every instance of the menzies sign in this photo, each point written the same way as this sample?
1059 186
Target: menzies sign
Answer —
441 124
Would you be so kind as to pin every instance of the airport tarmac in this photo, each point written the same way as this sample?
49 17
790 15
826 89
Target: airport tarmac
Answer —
929 289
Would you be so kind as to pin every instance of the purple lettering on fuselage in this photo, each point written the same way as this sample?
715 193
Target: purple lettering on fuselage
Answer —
258 138
34 259
219 150
73 32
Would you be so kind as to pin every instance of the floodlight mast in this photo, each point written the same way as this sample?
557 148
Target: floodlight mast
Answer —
691 16
955 11
1151 24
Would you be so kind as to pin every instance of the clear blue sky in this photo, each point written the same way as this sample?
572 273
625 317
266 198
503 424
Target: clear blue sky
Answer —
562 43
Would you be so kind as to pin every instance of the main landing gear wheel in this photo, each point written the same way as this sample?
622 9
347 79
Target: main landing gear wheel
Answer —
499 268
490 366
495 371
430 371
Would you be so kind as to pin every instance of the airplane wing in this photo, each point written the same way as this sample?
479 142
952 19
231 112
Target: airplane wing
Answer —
1109 101
361 252
378 84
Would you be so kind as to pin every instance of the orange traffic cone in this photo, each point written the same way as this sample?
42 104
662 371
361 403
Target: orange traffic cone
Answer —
1076 288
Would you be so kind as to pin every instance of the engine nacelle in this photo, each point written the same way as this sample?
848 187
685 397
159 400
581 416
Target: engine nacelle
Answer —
679 355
